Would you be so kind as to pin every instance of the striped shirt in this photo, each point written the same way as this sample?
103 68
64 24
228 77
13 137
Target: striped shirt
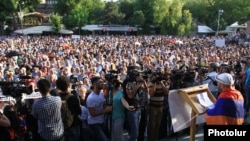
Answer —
47 110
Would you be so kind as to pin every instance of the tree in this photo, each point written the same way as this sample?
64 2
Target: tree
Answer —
10 8
159 10
56 22
138 18
95 12
77 17
206 11
127 8
64 7
146 6
111 14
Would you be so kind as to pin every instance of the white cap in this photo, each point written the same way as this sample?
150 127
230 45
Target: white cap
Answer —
225 79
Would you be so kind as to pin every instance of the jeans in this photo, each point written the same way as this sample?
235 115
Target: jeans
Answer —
98 132
72 133
86 134
143 124
117 129
61 139
154 122
133 120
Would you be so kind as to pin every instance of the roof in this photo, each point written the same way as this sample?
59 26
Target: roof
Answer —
108 28
37 14
236 25
40 30
205 29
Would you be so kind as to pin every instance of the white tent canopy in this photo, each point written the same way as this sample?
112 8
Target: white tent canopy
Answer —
205 29
40 30
108 28
236 25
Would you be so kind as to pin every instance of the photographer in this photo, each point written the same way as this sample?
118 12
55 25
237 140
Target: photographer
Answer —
210 79
158 88
118 112
136 94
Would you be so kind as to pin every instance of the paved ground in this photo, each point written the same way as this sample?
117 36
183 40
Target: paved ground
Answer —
184 135
181 136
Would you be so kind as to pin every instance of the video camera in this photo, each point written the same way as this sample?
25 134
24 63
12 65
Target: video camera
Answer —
238 67
201 69
15 89
73 79
159 76
111 76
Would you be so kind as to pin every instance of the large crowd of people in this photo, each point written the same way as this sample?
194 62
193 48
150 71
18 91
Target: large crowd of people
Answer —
141 70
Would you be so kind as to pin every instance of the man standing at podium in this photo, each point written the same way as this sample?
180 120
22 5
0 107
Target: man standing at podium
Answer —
229 107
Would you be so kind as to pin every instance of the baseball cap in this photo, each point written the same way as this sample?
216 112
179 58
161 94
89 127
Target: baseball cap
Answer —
225 79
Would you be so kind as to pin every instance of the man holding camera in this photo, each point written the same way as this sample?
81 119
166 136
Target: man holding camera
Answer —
210 79
158 88
136 94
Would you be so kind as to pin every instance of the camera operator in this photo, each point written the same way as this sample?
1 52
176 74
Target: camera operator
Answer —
210 79
136 94
158 88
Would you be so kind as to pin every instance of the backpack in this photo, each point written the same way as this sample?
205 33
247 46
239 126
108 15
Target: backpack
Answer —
67 117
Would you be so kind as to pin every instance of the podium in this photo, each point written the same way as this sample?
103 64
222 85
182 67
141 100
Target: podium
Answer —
189 95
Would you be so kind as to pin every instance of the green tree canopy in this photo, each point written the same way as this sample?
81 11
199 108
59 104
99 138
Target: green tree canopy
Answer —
127 7
206 11
56 22
111 14
76 18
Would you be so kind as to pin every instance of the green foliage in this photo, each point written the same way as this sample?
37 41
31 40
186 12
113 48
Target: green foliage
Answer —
146 6
10 9
138 18
127 7
76 18
206 11
56 22
63 7
111 14
96 11
160 10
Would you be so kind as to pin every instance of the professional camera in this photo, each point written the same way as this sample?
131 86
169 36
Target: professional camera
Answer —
133 74
15 89
73 79
159 76
238 67
111 76
201 70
